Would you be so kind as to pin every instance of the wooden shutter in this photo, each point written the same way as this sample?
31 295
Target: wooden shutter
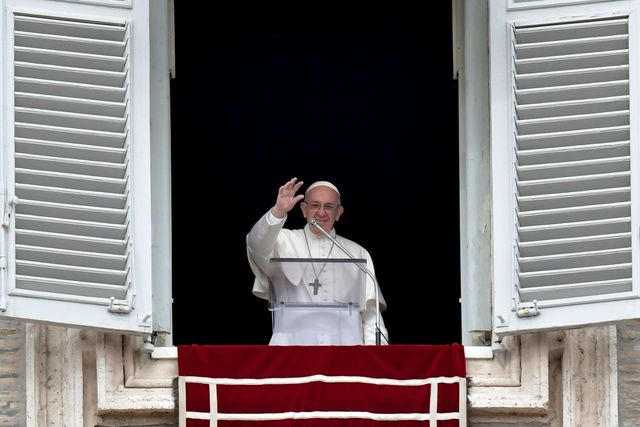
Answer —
70 208
570 167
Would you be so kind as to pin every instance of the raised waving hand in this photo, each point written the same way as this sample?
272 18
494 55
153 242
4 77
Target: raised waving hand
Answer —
287 197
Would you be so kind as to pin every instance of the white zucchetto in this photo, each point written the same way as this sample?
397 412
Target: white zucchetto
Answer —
322 184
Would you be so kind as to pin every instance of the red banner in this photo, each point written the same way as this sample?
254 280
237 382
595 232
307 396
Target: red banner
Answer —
328 386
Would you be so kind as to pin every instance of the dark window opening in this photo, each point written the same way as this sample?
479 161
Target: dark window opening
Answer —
358 93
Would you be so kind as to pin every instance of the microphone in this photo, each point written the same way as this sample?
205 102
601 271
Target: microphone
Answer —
365 270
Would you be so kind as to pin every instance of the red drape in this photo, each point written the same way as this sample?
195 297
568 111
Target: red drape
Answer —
354 386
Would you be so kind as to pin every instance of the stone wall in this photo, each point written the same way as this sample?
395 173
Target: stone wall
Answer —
558 379
629 374
12 374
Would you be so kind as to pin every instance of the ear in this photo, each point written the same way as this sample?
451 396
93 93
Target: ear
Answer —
303 207
339 212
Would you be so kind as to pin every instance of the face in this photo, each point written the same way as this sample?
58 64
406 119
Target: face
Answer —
323 205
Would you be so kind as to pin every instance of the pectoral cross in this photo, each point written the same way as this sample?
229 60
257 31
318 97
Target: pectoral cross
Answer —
315 285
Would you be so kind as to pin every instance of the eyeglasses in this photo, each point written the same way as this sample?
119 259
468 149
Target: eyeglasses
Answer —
328 207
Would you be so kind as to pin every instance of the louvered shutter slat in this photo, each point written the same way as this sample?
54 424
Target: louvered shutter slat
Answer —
573 137
70 120
572 30
77 151
79 212
62 27
72 196
572 92
70 59
59 225
70 74
45 102
573 229
568 153
587 212
573 168
75 90
565 108
574 183
82 136
69 272
54 42
74 242
574 260
574 122
574 48
52 288
576 275
71 158
573 76
70 165
569 62
573 245
67 180
572 199
79 258
553 295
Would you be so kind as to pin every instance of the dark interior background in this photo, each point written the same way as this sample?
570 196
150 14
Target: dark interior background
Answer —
358 93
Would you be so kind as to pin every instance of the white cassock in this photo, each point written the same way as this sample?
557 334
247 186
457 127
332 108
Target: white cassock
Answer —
268 239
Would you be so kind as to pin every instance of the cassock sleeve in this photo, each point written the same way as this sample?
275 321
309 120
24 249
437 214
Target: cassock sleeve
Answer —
261 243
369 313
369 326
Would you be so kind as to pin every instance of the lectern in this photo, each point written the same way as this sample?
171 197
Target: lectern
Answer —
317 301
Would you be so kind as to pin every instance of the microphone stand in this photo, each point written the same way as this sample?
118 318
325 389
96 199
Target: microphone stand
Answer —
364 270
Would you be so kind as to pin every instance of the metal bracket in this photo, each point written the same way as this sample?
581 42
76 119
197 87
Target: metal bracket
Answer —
9 208
144 320
528 309
119 307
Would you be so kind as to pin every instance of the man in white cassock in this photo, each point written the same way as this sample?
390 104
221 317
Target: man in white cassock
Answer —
317 284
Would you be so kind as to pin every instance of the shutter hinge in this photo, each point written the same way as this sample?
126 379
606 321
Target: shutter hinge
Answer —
527 309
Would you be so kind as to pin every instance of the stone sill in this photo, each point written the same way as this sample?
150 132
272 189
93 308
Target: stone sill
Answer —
470 352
